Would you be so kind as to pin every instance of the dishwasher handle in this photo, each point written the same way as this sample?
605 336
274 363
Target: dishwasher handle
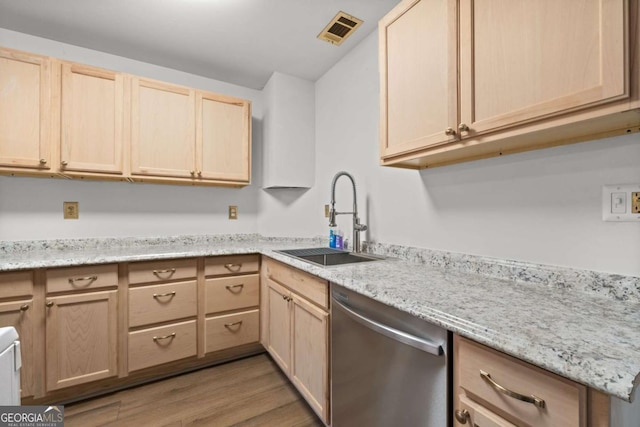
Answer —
392 333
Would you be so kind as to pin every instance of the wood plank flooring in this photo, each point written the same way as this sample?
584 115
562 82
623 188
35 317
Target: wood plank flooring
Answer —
247 392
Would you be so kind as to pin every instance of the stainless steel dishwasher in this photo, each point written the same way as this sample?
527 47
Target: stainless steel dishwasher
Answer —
388 368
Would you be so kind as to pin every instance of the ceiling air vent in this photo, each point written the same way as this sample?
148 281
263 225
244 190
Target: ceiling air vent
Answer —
340 27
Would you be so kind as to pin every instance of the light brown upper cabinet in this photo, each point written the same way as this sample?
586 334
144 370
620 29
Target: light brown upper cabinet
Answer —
77 121
180 132
92 116
223 137
25 110
162 129
418 60
464 79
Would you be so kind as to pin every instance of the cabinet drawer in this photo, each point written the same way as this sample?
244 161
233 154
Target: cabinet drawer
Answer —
161 271
154 346
231 293
235 264
231 330
80 278
162 303
565 400
313 288
16 284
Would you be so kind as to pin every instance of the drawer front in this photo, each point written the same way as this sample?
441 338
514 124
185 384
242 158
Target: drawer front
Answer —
162 303
155 346
313 288
234 264
231 330
232 293
81 278
565 401
16 284
162 271
480 416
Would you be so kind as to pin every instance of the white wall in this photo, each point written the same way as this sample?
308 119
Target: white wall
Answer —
542 206
31 208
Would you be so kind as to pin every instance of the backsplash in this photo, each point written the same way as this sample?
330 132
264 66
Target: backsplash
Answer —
616 286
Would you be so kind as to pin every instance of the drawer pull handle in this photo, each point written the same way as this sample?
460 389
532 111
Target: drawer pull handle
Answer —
231 288
168 270
229 325
24 307
165 337
529 399
462 415
233 267
90 279
168 294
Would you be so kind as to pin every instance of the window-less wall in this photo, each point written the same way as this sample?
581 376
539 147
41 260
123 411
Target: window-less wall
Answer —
31 208
542 206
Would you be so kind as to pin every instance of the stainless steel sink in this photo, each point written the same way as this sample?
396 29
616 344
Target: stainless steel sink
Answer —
328 256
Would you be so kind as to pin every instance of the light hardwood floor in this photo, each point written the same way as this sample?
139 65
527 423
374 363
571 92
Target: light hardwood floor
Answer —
247 392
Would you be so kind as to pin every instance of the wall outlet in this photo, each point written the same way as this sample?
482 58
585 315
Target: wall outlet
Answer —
70 210
326 211
621 202
233 212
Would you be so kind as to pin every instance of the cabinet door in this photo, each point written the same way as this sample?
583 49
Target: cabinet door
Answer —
91 116
162 129
223 132
25 110
522 60
418 75
19 315
310 358
81 338
279 325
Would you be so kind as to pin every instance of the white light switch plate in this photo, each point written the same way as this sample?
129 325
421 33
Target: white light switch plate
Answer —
616 202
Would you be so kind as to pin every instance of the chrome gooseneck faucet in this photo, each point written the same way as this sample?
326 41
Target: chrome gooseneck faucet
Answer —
357 227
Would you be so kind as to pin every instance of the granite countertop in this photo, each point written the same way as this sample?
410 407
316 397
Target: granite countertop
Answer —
582 325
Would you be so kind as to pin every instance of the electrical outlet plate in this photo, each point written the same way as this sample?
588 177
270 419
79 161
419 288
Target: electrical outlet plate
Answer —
621 202
70 210
326 211
233 212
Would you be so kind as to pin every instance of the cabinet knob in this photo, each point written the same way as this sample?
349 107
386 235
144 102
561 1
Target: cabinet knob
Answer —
43 161
462 415
192 173
449 131
24 307
199 173
64 163
463 127
50 304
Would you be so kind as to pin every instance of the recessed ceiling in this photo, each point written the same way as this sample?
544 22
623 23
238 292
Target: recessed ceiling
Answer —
236 41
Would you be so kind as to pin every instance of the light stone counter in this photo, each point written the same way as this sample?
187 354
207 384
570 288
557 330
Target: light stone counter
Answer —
582 325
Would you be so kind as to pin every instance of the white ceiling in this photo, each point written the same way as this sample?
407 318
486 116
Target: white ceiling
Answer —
236 41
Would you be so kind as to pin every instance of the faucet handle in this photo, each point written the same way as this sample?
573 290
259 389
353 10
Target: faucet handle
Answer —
361 227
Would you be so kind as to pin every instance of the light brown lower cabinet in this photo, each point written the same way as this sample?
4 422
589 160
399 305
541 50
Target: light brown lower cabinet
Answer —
17 311
155 346
19 315
492 389
231 302
297 332
81 338
230 330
